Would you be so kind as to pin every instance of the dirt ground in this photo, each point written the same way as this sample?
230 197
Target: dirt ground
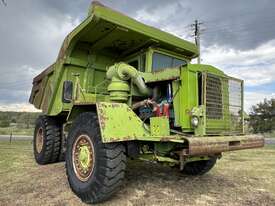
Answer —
239 178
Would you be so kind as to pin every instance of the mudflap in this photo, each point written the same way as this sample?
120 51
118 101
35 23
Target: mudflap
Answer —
218 144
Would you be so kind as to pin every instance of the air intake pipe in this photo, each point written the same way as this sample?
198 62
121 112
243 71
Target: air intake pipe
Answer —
119 88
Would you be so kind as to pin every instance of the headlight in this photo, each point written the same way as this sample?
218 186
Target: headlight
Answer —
195 121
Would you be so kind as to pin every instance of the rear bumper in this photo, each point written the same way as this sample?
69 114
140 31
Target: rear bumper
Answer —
219 144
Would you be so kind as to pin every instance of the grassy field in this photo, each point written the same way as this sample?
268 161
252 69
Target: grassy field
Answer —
269 135
239 178
16 131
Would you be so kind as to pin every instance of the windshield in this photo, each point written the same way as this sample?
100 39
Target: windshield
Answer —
161 61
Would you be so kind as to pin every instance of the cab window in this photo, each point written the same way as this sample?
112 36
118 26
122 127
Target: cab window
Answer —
161 61
138 62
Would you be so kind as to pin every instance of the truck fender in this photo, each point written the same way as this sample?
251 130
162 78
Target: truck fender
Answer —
118 123
78 109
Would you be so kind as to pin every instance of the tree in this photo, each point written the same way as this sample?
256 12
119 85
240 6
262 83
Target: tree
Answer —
4 123
262 116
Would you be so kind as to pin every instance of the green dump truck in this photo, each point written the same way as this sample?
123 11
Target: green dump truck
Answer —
121 89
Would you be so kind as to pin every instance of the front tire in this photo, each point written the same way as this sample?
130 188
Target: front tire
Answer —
47 140
199 167
95 170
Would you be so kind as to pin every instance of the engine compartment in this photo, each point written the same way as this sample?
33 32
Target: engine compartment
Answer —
160 104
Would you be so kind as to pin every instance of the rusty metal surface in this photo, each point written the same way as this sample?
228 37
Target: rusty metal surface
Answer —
216 145
118 122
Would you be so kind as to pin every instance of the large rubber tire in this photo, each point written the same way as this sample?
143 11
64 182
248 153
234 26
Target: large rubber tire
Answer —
50 140
109 162
199 167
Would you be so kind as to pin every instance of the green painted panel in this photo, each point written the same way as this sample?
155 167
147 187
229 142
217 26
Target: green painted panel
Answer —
159 126
119 123
162 75
188 95
176 87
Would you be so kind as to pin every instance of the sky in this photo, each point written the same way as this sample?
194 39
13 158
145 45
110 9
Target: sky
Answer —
238 37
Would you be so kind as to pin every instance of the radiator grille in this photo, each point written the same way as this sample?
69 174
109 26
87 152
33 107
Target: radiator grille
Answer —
224 107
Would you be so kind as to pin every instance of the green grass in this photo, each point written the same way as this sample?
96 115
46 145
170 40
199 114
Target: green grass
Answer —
16 131
14 155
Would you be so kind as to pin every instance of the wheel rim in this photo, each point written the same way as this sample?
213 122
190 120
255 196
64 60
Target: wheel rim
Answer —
83 157
39 140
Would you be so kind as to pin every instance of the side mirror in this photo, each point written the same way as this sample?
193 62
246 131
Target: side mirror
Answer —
67 94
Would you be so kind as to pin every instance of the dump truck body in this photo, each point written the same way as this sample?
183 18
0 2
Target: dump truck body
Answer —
137 90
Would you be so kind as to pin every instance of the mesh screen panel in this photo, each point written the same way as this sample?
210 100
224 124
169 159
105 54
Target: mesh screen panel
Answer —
224 107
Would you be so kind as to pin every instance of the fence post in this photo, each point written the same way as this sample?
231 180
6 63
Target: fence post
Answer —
10 137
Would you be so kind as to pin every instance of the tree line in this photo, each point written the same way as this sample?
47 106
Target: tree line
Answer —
262 116
18 119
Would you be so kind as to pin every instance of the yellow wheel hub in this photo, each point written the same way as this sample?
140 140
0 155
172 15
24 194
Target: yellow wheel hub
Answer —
83 157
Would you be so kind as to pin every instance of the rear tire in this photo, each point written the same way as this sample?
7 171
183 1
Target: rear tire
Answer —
47 140
199 167
104 164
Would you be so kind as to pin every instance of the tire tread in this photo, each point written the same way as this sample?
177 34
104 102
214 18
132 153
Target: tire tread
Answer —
199 167
52 134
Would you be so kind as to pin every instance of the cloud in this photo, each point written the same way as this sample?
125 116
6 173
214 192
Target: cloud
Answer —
28 49
153 16
253 98
32 35
18 107
255 66
234 24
